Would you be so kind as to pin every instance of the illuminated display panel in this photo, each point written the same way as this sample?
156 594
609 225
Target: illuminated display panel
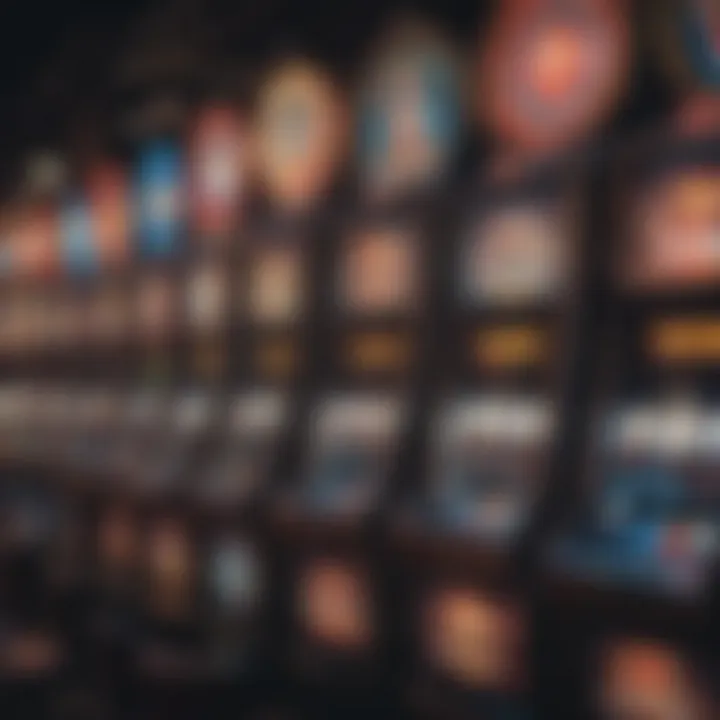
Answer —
235 574
649 680
334 605
655 523
207 297
110 213
380 273
160 193
218 162
172 569
301 129
277 285
689 41
488 462
552 70
515 255
473 640
675 233
352 441
255 419
410 110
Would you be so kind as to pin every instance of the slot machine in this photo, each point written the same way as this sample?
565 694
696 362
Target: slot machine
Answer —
34 651
298 138
174 585
504 386
632 573
375 311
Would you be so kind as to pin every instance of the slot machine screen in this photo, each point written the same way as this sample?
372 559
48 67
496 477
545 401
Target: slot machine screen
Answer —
255 420
489 461
334 605
380 273
193 413
160 194
649 680
656 496
235 575
218 156
171 569
353 439
519 253
276 284
206 297
675 232
473 640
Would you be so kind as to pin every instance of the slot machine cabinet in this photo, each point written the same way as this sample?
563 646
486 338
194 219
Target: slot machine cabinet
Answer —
641 553
34 646
215 185
505 384
34 511
299 135
375 310
240 569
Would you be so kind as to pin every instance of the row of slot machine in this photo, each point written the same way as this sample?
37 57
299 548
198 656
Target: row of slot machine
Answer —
411 447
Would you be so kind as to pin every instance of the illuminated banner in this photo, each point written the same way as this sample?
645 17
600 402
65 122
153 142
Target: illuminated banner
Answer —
218 156
378 351
553 69
301 134
110 213
410 110
689 40
684 340
160 194
511 347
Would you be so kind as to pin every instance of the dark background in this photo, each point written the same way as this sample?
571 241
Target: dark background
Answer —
62 61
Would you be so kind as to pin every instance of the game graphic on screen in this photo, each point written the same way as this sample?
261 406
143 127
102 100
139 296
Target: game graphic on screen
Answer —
301 133
333 605
473 640
353 438
650 680
410 110
380 273
255 418
553 69
159 194
675 232
218 159
487 463
276 285
171 569
206 296
518 254
658 510
235 575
